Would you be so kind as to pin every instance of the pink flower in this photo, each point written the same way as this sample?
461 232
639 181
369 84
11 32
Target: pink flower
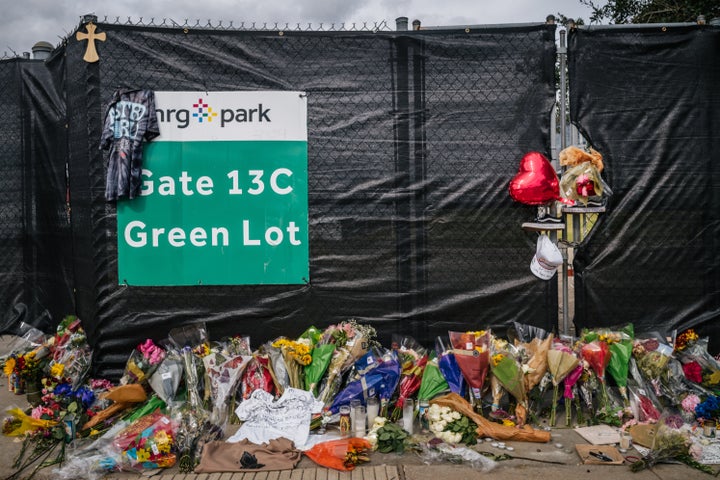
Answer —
38 412
690 402
152 352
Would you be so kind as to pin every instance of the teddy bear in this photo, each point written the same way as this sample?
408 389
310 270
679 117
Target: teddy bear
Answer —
572 156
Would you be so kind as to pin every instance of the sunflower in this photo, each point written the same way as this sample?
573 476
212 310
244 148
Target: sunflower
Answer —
9 366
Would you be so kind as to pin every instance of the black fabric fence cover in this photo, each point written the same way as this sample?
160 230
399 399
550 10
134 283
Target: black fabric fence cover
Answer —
413 138
35 264
648 99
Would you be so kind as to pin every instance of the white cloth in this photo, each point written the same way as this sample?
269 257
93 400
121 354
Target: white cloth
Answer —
265 419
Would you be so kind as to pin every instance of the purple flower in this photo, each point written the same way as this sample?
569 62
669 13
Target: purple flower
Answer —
62 389
86 396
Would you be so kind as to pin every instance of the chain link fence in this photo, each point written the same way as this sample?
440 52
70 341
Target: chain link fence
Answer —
412 139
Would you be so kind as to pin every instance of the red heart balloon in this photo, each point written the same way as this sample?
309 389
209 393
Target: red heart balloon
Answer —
536 182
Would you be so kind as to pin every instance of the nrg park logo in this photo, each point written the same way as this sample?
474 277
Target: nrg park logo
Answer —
203 113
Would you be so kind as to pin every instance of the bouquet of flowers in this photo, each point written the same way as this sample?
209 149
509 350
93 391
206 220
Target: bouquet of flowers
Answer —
535 363
71 354
412 359
166 379
340 454
451 426
148 442
433 383
224 371
380 380
669 444
296 355
352 341
620 345
699 366
472 353
508 371
449 367
51 425
597 354
569 392
322 353
23 369
561 362
257 376
142 363
652 357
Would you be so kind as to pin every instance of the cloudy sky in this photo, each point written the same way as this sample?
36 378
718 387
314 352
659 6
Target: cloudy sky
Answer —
25 22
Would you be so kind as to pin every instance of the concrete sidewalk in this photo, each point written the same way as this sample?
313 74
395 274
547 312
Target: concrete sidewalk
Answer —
550 461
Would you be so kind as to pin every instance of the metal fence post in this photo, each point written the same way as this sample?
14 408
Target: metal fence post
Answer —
562 54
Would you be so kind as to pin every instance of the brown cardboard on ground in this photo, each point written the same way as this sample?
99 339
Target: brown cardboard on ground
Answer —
599 434
643 434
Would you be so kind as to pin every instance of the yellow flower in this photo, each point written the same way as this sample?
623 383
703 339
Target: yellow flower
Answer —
306 360
143 455
57 370
508 423
9 366
497 358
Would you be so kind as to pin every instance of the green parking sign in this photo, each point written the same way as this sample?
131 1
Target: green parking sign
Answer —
224 193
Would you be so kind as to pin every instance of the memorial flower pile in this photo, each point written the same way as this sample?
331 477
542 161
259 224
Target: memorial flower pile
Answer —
172 400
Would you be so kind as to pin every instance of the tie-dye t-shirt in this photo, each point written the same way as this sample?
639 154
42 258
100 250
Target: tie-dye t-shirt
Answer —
130 119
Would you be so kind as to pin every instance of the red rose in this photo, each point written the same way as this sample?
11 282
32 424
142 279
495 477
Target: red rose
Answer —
693 372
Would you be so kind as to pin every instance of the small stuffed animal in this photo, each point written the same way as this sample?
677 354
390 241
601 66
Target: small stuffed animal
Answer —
572 156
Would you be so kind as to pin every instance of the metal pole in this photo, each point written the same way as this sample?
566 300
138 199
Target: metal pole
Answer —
562 54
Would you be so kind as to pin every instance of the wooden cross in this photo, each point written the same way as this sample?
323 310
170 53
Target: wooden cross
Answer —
91 55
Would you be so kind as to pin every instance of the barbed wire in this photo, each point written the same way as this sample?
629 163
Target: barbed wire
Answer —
378 26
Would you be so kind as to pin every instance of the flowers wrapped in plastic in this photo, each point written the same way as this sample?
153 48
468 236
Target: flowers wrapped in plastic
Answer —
561 362
142 363
257 376
597 354
412 358
148 442
487 428
352 341
166 379
321 355
223 370
472 353
381 380
620 343
433 383
652 356
581 182
505 367
569 384
296 355
692 349
342 454
449 367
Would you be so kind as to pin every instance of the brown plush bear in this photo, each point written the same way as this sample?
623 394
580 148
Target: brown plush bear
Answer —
572 156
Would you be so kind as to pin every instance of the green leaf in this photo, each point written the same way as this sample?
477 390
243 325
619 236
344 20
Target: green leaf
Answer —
72 408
